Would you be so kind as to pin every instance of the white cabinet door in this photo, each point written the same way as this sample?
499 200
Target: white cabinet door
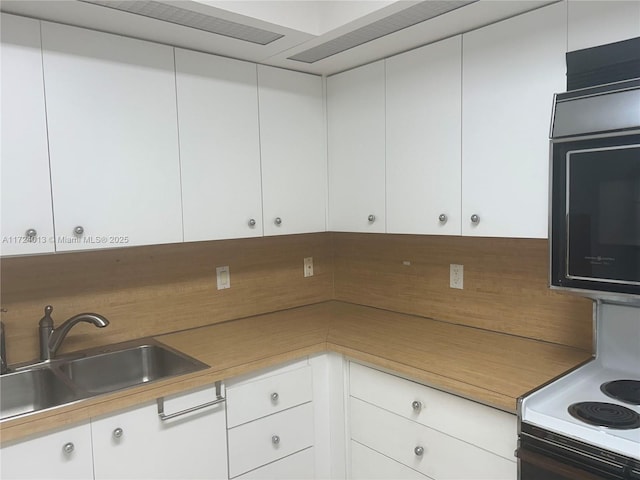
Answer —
192 446
111 110
367 464
423 139
293 150
356 152
26 189
600 22
510 72
59 455
219 146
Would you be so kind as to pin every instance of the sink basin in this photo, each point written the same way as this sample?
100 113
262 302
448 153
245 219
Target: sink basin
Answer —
37 387
32 390
111 371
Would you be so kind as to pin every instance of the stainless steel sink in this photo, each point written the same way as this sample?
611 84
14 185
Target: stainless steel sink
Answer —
111 371
28 391
62 381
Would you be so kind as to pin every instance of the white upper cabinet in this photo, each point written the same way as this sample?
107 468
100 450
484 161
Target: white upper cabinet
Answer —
293 150
219 146
113 138
423 139
27 221
356 151
510 72
600 22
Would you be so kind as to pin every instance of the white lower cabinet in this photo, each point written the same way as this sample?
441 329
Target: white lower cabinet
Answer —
139 444
59 455
367 464
437 434
299 466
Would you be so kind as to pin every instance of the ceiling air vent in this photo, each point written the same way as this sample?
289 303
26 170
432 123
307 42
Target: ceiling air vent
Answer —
408 17
191 19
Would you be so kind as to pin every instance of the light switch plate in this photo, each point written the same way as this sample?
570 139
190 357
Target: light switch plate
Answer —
308 267
223 277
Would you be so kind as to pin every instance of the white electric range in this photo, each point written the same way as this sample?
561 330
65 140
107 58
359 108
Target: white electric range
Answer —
572 429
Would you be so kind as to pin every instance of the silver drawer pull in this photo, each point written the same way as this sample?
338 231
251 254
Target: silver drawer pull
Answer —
275 439
419 451
416 405
275 397
118 432
68 448
163 416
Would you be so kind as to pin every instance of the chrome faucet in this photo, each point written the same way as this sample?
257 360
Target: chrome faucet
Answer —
3 352
51 338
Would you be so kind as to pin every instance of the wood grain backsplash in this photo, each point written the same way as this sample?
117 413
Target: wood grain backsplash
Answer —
505 283
151 290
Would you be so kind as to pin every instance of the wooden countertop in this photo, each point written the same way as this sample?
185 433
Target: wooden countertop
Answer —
491 368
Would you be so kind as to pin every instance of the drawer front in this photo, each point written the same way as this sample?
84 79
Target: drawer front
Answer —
367 464
472 422
252 445
443 457
299 466
249 401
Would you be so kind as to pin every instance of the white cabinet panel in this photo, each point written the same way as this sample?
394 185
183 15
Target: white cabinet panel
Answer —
398 438
262 441
219 146
486 427
60 455
600 22
192 446
26 189
263 397
510 72
423 139
111 110
293 150
367 464
298 466
356 149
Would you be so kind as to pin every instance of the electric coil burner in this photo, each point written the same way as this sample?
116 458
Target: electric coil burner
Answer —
605 415
627 391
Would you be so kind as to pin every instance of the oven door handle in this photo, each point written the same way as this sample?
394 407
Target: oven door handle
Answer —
550 465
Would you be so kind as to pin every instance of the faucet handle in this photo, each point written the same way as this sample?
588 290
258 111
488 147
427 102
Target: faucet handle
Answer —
47 321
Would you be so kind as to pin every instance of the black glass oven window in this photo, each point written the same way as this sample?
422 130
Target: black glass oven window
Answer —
604 214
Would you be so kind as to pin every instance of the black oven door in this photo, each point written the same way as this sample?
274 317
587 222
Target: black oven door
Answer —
595 217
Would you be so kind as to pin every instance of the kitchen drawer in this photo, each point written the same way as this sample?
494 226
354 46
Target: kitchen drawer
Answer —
252 445
252 400
444 457
367 464
299 466
486 427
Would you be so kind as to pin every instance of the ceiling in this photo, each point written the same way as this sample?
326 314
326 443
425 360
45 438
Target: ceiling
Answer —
304 29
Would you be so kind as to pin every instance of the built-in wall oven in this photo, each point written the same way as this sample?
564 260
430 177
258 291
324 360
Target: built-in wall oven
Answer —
595 189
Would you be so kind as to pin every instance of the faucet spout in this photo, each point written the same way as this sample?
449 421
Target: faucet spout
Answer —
51 338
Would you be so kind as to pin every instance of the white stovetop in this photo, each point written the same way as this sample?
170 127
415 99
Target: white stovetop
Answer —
618 358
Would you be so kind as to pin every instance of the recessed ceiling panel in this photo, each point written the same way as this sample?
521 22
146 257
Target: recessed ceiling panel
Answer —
191 19
398 21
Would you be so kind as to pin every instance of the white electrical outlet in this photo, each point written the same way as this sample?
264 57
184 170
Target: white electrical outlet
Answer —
456 276
223 277
308 266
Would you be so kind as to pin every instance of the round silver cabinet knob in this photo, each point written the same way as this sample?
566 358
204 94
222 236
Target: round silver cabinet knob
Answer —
475 219
442 218
118 432
278 221
275 439
372 218
252 222
416 405
79 230
68 448
31 233
274 397
419 451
